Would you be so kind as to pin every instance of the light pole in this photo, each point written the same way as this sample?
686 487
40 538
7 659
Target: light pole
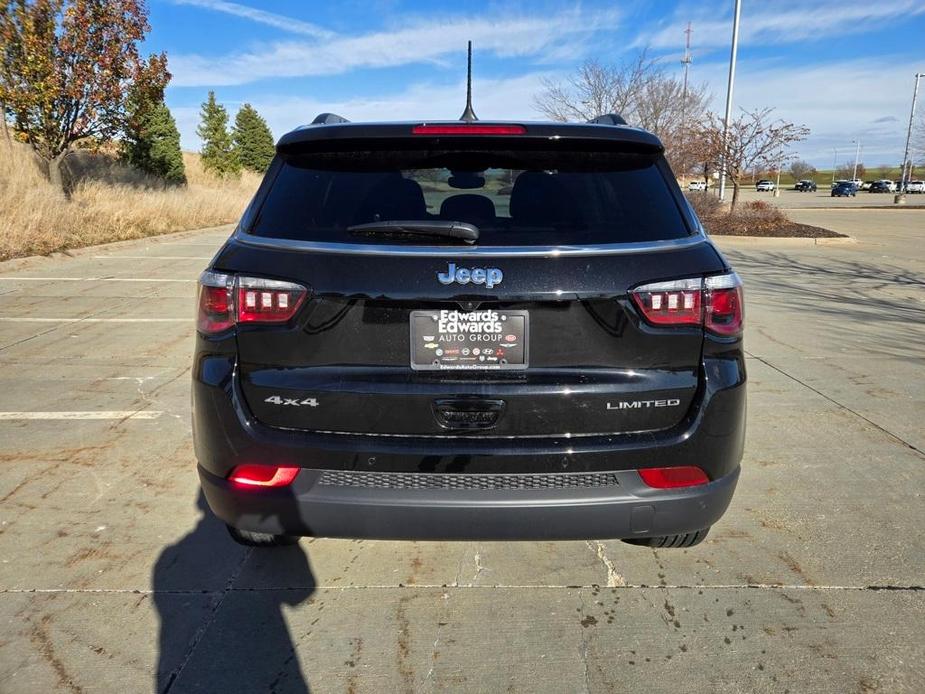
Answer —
732 75
915 94
780 155
857 154
834 165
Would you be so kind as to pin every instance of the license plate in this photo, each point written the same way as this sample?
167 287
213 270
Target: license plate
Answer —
452 340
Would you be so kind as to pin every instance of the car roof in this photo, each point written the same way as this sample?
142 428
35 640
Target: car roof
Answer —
311 136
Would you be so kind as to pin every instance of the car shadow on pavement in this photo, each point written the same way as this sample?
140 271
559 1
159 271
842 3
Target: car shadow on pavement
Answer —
876 294
239 640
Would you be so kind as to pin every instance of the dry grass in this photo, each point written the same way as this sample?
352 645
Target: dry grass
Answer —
110 202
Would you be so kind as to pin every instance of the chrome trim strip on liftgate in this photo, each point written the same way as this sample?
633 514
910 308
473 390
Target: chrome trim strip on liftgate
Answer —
461 251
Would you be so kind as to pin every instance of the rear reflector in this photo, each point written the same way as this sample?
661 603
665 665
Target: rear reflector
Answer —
263 476
466 129
673 477
714 302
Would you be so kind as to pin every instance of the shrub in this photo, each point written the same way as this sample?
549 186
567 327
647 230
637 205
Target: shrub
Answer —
705 204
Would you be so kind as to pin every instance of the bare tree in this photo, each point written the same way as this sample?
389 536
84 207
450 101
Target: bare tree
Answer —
844 172
754 141
801 169
640 91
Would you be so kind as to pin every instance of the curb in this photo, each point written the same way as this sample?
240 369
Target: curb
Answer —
799 241
31 260
856 208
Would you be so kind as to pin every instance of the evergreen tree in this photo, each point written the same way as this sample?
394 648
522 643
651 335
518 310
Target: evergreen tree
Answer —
218 153
153 143
253 140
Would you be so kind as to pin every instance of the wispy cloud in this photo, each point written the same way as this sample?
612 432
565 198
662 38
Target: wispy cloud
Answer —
277 21
418 41
871 110
780 22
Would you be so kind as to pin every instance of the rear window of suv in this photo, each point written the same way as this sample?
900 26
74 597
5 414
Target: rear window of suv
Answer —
535 198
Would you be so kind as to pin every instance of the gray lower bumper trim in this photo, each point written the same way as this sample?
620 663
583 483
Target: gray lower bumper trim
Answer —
628 510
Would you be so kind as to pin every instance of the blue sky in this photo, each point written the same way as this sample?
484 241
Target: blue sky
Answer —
844 69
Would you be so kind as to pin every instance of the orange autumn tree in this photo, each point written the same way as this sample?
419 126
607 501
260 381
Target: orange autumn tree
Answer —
69 70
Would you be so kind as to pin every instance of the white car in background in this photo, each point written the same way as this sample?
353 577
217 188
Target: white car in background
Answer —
889 184
764 186
915 187
697 185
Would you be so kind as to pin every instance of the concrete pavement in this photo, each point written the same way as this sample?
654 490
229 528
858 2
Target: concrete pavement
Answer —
114 577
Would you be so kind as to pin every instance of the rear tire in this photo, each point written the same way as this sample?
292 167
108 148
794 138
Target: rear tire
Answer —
669 541
252 539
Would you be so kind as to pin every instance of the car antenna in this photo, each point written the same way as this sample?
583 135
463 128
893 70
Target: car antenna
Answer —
469 114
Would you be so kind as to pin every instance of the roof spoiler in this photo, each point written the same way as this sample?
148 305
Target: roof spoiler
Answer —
609 119
328 119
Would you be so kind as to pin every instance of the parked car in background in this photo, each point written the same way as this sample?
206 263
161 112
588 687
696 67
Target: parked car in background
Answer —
858 183
865 185
697 185
843 189
805 186
915 187
888 183
880 187
764 186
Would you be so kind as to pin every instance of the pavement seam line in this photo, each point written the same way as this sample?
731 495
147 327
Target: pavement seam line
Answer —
435 586
835 402
58 326
218 600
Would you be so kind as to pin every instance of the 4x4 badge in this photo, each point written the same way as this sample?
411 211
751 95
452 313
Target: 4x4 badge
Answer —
489 276
292 402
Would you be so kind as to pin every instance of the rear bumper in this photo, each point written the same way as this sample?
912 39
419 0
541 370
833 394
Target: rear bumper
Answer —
227 435
359 505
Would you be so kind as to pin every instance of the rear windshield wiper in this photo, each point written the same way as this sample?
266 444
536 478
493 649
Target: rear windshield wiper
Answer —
461 231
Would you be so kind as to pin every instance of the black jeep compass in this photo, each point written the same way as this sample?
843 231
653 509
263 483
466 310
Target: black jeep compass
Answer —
469 330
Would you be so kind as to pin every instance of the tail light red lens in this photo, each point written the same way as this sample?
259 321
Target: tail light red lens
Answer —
671 303
714 302
263 476
723 309
673 477
226 300
216 307
267 301
466 129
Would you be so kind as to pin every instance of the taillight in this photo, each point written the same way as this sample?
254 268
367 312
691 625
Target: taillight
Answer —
714 302
671 303
267 301
263 476
467 129
216 306
723 309
673 477
225 300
